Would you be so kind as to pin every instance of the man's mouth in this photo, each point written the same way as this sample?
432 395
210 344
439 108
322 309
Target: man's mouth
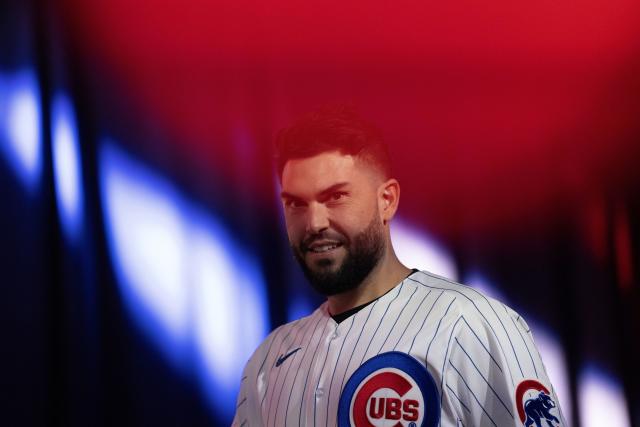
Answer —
323 247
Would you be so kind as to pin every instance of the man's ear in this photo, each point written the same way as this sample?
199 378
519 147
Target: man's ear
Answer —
388 199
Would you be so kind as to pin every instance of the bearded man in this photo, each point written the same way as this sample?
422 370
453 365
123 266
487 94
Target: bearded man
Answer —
391 346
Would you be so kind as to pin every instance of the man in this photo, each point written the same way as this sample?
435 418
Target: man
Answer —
391 346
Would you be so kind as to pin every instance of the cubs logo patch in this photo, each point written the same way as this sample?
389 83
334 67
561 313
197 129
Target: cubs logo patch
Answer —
535 404
390 389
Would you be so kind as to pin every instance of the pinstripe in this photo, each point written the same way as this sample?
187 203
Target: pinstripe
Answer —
241 402
355 346
515 354
326 356
353 320
482 344
523 340
315 353
494 312
278 352
423 321
286 412
411 320
244 399
485 380
446 355
426 357
380 322
479 312
473 394
269 349
458 398
396 321
284 381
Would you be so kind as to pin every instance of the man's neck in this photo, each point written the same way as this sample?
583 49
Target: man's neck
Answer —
386 275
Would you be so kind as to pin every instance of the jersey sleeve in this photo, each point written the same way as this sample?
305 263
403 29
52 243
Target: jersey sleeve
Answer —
252 384
241 407
244 414
495 375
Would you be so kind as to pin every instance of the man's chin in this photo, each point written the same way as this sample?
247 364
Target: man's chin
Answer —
323 266
324 261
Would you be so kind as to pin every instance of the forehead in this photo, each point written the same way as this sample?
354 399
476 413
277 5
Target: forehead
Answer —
306 177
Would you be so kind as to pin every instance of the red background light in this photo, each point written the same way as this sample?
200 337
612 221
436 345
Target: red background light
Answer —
498 114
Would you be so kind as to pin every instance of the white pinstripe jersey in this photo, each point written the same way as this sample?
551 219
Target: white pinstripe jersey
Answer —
479 353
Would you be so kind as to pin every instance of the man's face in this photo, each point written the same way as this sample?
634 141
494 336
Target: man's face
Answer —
333 223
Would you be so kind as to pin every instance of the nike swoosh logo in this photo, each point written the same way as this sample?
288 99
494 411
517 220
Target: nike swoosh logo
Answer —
284 357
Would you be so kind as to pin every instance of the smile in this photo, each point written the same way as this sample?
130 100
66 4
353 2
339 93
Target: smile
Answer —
324 248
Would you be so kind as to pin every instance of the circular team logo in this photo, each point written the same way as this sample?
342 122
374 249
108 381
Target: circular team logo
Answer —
535 404
390 389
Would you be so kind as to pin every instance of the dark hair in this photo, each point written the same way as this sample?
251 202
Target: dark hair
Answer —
332 128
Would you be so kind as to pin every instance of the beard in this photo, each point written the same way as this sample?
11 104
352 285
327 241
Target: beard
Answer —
363 253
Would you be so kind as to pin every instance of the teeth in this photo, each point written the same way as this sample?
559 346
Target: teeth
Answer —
324 248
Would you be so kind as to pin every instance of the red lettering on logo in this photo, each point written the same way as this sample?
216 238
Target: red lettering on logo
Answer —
393 408
373 412
410 410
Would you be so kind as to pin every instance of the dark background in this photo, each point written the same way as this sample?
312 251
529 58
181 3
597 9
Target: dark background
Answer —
144 252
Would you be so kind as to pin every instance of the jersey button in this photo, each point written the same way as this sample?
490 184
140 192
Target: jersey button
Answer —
319 392
334 335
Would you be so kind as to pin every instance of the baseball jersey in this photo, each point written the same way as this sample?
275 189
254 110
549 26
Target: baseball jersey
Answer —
430 352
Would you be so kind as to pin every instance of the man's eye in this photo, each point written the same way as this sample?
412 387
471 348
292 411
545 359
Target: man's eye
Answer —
294 204
337 195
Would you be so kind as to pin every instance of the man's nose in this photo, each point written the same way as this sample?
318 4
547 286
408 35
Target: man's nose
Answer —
317 219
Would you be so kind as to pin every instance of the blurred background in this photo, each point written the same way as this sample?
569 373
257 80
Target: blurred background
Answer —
145 255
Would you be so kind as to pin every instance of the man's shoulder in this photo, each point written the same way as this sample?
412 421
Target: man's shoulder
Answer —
466 301
446 287
282 332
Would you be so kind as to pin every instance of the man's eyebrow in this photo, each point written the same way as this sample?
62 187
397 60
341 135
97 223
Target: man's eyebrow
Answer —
334 187
326 191
286 195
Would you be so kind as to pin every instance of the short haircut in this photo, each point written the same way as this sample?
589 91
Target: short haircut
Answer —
333 128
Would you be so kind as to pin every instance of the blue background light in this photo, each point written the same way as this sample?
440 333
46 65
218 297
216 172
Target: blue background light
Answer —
67 164
145 231
185 280
20 124
299 307
601 399
416 250
478 281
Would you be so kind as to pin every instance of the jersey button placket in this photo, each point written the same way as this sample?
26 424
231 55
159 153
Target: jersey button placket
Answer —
333 335
316 370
